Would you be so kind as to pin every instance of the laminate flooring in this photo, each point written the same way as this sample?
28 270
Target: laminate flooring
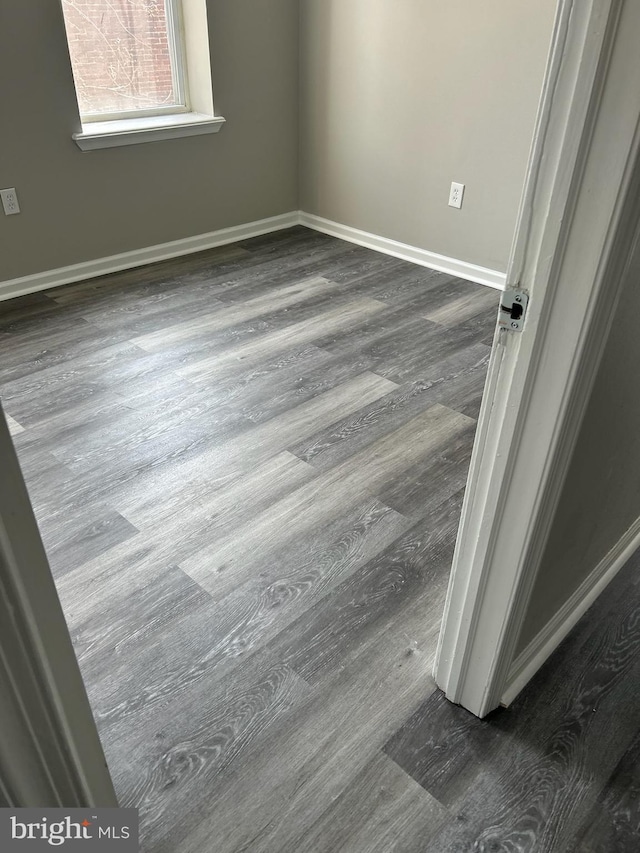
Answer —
247 466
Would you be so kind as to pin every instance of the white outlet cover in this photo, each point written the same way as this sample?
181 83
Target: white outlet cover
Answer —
455 194
9 198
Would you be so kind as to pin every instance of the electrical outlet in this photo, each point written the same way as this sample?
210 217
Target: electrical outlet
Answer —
10 201
455 194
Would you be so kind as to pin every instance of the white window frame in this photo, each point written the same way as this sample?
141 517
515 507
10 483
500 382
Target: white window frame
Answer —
186 25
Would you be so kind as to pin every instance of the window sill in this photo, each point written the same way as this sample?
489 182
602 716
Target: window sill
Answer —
132 131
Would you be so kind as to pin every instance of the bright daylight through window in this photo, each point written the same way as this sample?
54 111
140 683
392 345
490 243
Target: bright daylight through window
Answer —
142 70
127 57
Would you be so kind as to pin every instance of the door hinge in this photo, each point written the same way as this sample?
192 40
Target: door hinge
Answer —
513 310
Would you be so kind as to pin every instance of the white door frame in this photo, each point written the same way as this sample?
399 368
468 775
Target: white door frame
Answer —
575 229
50 752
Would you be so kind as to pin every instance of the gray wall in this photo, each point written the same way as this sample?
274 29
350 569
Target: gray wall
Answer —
601 497
401 97
78 206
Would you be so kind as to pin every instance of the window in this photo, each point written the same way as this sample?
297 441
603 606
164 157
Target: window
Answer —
127 57
132 69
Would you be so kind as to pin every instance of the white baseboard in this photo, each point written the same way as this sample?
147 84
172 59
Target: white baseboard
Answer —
540 648
442 263
163 251
140 257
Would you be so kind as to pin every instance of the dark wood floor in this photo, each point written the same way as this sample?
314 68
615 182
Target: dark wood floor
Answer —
247 467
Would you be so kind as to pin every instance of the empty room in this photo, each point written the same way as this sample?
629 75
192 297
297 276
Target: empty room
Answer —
292 558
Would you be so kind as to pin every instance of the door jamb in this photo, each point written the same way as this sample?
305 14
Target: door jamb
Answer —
539 380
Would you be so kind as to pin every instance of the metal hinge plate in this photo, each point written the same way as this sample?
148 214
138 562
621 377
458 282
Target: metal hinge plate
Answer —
513 310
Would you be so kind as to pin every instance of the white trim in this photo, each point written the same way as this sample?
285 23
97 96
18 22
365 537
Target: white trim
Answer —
133 131
423 257
549 638
167 110
175 248
140 257
177 49
569 254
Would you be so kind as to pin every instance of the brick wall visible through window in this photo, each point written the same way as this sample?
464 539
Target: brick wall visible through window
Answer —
120 54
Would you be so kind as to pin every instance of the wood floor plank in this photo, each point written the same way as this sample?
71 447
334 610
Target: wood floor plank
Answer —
182 750
416 563
145 315
73 543
87 417
61 346
121 370
432 480
276 300
223 460
130 616
334 260
44 474
76 397
327 496
312 756
404 284
262 393
453 312
142 443
24 330
360 262
551 757
288 241
127 279
423 344
257 271
283 589
94 590
199 505
381 810
255 606
454 382
305 332
14 427
443 747
135 670
87 367
29 308
613 824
